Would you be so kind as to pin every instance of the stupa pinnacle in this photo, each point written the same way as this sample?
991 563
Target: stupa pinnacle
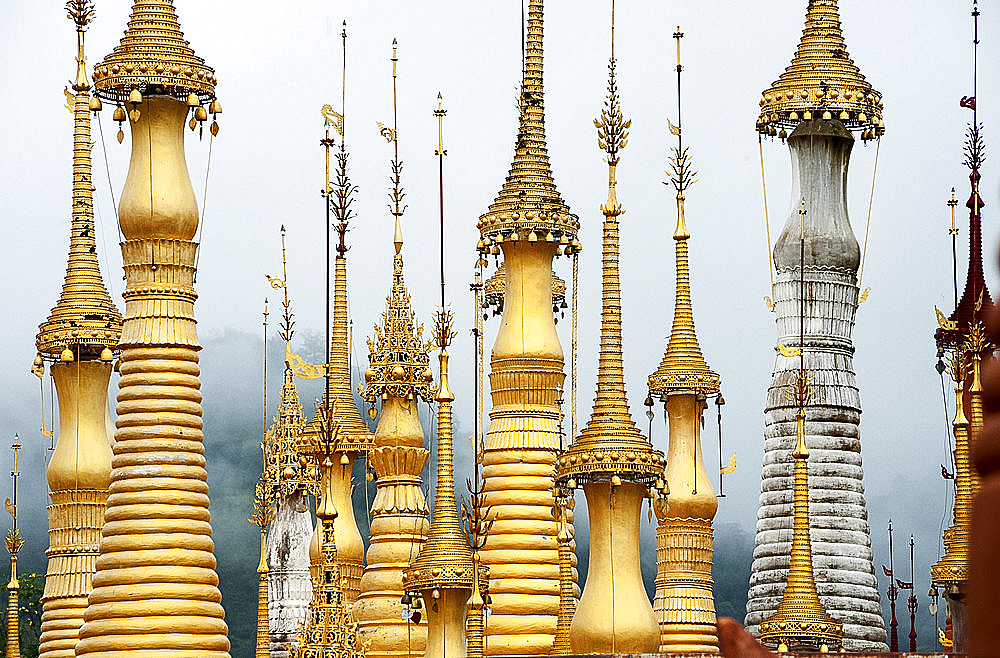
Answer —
616 466
155 587
822 116
78 338
965 334
530 223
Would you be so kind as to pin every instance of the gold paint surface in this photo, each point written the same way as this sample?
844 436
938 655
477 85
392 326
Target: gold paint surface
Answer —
614 614
158 201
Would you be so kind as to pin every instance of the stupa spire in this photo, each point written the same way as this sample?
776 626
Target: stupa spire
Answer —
338 398
153 569
84 320
683 603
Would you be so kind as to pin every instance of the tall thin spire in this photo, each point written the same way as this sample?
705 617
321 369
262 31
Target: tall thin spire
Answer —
13 543
399 377
801 622
338 398
528 199
683 601
80 337
975 302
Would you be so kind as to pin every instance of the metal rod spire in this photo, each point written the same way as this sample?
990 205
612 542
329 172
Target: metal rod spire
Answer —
911 603
893 594
953 231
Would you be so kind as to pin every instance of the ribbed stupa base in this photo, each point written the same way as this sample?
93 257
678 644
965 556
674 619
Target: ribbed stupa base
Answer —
155 590
521 551
684 605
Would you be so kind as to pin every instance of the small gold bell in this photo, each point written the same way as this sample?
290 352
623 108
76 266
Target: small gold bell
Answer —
107 355
67 355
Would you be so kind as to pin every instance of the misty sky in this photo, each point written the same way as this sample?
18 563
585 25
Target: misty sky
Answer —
278 66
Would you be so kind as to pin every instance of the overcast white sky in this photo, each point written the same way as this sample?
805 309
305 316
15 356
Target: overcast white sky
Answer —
278 63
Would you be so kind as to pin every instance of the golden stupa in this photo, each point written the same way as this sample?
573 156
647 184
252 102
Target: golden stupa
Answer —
399 377
683 382
155 590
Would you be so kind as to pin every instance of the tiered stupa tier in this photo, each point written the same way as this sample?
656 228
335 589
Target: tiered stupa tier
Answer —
823 96
530 223
155 590
78 338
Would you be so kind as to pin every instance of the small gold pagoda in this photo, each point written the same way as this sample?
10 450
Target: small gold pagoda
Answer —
356 438
155 590
399 377
801 623
683 602
78 339
615 465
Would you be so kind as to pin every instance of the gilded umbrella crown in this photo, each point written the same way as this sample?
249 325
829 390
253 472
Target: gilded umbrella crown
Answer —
822 82
84 319
153 56
529 201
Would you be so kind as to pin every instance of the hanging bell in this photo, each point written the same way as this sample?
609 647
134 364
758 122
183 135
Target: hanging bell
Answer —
66 356
192 100
532 237
95 104
215 107
344 460
134 97
107 355
200 113
119 114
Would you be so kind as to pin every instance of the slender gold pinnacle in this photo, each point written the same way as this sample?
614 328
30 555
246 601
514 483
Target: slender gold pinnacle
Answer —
85 320
801 621
822 82
445 560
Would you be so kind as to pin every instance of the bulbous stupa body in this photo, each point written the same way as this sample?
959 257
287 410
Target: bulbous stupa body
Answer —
822 95
155 588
